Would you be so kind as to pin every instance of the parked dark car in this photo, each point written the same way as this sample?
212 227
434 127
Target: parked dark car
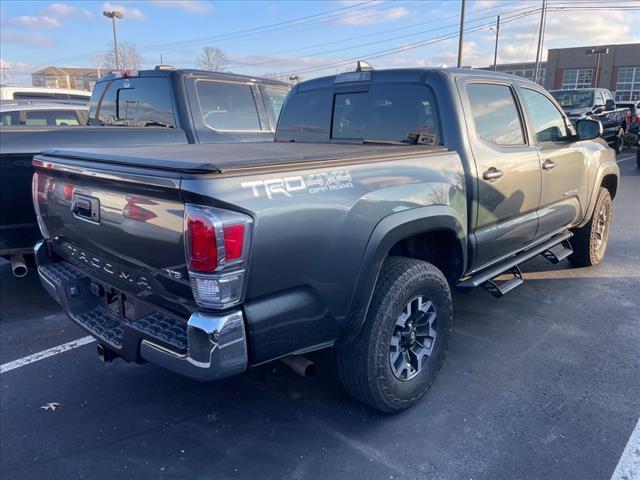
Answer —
382 191
154 107
599 104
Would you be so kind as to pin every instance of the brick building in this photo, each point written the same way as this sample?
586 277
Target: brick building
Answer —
619 70
75 78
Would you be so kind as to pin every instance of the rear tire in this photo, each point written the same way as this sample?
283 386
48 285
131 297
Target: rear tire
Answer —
589 243
398 353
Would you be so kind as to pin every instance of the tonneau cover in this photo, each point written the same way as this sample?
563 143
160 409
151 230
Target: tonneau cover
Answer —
227 156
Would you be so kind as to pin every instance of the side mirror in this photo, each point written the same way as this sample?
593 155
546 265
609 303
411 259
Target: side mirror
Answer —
610 105
588 129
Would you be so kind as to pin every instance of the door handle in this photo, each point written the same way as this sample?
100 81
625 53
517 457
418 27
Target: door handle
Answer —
492 174
548 165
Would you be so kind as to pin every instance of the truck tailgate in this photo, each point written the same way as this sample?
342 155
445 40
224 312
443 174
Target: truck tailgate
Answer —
123 229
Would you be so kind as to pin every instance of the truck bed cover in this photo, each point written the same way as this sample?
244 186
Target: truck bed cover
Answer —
217 158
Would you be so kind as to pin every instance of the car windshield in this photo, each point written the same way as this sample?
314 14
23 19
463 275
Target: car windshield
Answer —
573 98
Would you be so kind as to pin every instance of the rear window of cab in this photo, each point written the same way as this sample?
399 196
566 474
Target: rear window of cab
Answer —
382 112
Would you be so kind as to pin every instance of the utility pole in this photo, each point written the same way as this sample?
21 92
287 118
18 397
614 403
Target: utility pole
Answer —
495 52
461 39
597 52
543 20
113 14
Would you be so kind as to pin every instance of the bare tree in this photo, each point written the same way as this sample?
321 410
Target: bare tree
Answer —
212 59
128 55
5 72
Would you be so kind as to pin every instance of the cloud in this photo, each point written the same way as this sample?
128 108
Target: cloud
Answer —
192 6
66 10
483 4
36 22
276 64
16 73
570 28
132 13
30 40
370 17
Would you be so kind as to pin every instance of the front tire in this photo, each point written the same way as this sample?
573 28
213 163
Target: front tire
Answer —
618 142
589 243
398 353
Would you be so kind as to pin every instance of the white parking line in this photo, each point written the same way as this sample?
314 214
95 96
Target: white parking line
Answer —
625 159
629 464
65 347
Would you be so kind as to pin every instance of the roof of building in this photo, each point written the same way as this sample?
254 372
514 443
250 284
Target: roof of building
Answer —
66 71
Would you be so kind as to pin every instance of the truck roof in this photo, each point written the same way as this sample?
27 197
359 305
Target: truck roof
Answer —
170 72
411 75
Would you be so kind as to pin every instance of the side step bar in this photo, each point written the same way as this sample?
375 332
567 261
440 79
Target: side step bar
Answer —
555 250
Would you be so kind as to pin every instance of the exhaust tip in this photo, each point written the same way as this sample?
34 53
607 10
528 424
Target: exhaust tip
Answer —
18 266
301 365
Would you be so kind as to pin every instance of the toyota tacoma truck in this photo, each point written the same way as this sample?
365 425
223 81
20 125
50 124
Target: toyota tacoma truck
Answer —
150 107
382 191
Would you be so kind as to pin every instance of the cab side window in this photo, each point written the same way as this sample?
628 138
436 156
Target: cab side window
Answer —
547 120
495 114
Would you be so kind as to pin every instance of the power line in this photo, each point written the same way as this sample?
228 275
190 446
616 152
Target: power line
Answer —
403 48
376 34
351 47
232 35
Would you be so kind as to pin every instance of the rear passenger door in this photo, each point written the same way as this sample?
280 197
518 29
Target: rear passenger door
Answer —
507 169
563 163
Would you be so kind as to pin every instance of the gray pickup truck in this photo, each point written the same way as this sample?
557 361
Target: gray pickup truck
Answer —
382 191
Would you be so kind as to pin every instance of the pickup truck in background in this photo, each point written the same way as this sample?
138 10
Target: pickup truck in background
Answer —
154 107
599 104
382 191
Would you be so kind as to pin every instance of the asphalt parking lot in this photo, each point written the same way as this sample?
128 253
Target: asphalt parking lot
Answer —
543 383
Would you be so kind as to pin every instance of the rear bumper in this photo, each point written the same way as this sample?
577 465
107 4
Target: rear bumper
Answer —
206 347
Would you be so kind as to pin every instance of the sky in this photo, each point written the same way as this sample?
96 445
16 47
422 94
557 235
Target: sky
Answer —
305 38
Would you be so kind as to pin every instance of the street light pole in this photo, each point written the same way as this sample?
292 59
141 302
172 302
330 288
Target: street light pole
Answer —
543 20
495 52
113 14
597 52
461 38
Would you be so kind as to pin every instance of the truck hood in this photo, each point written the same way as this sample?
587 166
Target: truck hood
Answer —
217 158
578 112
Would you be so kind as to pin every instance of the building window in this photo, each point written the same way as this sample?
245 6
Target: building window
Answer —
576 78
628 84
528 73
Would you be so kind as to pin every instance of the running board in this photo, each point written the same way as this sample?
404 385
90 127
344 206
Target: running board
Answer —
556 255
487 278
499 289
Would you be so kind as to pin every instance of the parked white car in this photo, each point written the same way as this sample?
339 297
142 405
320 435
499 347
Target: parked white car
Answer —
43 93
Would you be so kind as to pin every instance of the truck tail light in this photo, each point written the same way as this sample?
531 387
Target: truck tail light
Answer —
216 248
233 241
38 193
68 192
